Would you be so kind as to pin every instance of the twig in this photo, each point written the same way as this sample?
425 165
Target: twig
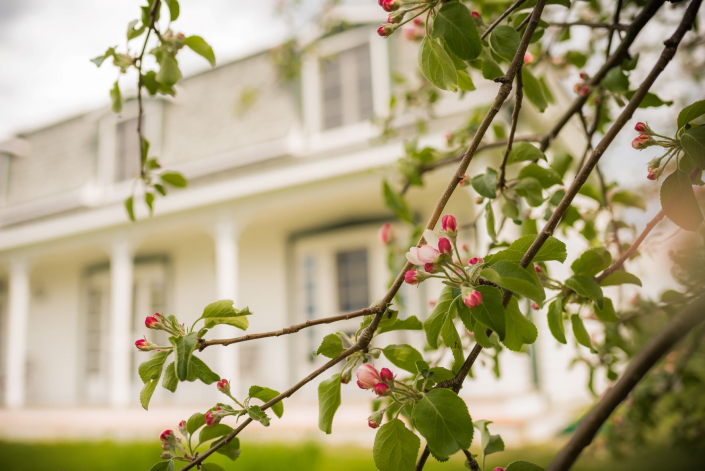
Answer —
472 462
518 96
506 13
612 27
140 112
659 345
289 330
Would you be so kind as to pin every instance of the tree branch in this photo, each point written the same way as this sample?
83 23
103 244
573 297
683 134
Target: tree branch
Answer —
140 106
612 27
518 96
506 13
659 345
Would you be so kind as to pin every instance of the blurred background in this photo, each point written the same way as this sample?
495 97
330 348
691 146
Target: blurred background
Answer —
284 160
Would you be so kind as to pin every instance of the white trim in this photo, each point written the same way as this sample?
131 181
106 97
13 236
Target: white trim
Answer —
121 283
17 324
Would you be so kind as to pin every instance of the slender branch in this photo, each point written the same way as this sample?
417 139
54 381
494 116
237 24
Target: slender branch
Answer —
472 462
611 27
423 458
140 111
518 96
506 13
659 345
289 330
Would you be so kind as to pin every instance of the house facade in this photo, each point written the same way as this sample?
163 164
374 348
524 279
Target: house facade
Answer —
281 214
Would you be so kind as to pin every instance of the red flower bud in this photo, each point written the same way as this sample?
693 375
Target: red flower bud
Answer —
537 269
211 418
345 379
534 306
444 246
642 141
476 14
528 58
166 435
498 469
381 389
577 87
449 224
464 247
418 22
386 375
372 424
141 344
367 376
390 5
652 176
386 30
412 277
463 180
640 127
223 386
475 261
583 75
385 233
432 303
429 268
473 299
151 322
585 90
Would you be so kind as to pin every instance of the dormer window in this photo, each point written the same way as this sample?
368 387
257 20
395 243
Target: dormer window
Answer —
346 89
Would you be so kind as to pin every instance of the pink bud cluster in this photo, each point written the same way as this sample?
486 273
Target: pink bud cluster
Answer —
385 233
379 381
581 88
472 299
642 141
415 30
213 417
223 386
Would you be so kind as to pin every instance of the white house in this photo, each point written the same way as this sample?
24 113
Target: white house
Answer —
281 214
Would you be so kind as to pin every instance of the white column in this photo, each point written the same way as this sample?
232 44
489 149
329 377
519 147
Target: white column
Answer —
17 334
120 315
226 267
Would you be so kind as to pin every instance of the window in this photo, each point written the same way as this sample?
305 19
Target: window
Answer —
127 152
346 87
353 283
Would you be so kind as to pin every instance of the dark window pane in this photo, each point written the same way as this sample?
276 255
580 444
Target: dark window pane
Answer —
364 82
353 289
332 93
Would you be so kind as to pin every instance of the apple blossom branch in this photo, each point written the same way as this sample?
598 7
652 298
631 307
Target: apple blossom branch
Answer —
657 347
611 27
518 96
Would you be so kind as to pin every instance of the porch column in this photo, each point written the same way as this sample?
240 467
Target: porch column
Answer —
121 285
17 335
227 277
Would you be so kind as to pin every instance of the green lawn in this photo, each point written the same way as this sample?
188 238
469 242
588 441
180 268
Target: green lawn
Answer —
111 456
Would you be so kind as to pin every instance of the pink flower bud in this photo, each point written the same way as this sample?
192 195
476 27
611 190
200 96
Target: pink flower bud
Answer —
463 180
641 127
430 268
428 254
473 299
444 246
528 58
475 260
182 428
151 322
642 141
412 277
498 469
476 14
449 224
464 247
223 386
584 75
385 233
534 306
652 176
386 30
141 344
212 418
345 379
386 375
537 269
372 424
432 303
396 17
390 5
166 436
585 90
367 376
418 22
381 389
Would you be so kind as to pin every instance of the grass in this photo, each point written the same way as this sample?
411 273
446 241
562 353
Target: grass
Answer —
309 456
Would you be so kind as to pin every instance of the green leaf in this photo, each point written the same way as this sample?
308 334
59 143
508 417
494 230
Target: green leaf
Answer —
198 45
442 418
149 80
465 81
265 395
520 330
627 198
555 320
183 347
216 431
147 391
403 356
693 142
452 340
199 370
486 183
576 58
504 41
650 100
679 203
591 192
115 98
433 323
530 189
217 467
581 334
490 69
174 179
592 262
396 202
437 66
691 112
489 220
133 32
152 368
395 447
587 287
455 25
511 276
223 312
616 81
169 73
620 277
522 151
561 163
490 443
490 313
257 414
231 450
410 323
552 249
523 466
533 90
195 422
160 189
149 201
173 9
170 380
98 61
331 346
163 466
547 177
328 402
607 313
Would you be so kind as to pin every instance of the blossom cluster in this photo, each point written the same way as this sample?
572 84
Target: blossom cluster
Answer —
647 138
383 384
